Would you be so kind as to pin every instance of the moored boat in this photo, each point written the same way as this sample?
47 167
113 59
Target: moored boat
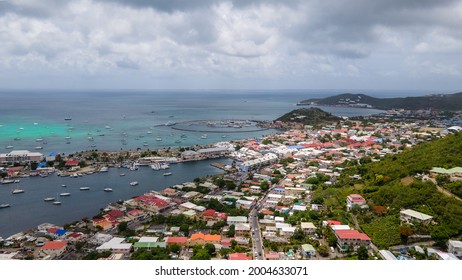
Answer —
64 194
4 205
16 191
85 188
134 183
48 199
108 190
167 173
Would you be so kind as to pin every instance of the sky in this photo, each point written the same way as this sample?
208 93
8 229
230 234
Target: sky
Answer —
234 44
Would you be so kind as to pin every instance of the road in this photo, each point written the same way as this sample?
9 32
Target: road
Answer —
257 242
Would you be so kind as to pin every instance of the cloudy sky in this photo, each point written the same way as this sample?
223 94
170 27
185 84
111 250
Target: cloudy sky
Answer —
234 44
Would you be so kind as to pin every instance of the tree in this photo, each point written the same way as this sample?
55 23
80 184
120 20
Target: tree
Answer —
123 226
362 253
175 248
323 250
210 249
185 229
231 231
404 232
201 254
224 252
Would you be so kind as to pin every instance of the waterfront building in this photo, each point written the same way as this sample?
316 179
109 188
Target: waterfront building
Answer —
20 156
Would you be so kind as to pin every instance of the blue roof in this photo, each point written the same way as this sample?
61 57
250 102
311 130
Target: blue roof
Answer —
52 154
42 164
61 232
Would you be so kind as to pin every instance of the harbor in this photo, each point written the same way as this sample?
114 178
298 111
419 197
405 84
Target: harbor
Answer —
104 188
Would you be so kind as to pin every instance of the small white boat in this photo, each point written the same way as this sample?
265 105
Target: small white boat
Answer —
39 148
204 136
9 147
122 174
48 199
108 190
104 169
39 139
64 194
63 186
68 137
17 181
148 132
134 183
158 139
16 191
85 188
4 205
167 173
56 202
7 181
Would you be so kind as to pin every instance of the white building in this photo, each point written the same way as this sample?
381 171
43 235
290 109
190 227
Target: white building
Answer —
410 216
21 156
232 220
455 247
115 245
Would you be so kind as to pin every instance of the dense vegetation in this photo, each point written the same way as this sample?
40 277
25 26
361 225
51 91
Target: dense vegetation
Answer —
444 102
308 116
387 193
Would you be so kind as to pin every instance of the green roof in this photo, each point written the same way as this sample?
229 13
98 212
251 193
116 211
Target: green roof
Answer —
150 244
308 248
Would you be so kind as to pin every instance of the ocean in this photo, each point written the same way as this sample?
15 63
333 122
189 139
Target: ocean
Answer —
70 121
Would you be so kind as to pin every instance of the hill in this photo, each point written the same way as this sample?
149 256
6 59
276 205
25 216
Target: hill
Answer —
308 116
395 183
440 102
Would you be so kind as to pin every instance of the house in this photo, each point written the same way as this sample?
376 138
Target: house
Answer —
308 251
242 229
115 245
53 248
201 239
410 216
308 228
351 240
232 220
354 199
149 243
387 255
239 257
182 241
455 247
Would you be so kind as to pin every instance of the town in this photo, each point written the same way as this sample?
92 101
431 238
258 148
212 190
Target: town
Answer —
282 198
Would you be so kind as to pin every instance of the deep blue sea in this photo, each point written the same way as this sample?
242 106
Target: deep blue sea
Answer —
124 120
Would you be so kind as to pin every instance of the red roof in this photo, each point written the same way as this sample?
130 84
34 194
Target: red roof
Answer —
148 199
116 213
209 212
177 239
72 162
356 198
333 222
52 230
76 235
54 245
351 234
239 257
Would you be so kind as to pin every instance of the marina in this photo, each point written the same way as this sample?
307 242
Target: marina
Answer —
75 204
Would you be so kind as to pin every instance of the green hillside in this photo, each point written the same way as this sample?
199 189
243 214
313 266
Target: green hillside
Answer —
441 102
308 116
392 184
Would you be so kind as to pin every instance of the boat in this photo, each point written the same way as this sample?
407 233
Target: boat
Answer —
56 202
48 199
223 136
39 148
158 139
107 127
9 147
68 137
17 139
104 169
108 190
39 140
68 119
85 188
164 166
64 194
4 205
134 183
204 136
16 191
177 141
167 173
122 174
7 181
149 132
155 166
170 123
16 181
63 186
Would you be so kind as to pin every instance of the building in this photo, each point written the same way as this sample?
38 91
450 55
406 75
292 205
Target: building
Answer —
212 152
411 216
201 239
53 248
455 247
308 251
182 241
239 257
115 245
354 199
232 220
351 240
23 156
387 255
308 228
149 243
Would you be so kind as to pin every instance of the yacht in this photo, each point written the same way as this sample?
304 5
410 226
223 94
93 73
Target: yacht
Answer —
16 191
158 139
149 132
9 147
4 205
122 174
17 181
39 148
57 202
108 190
155 166
68 119
104 169
167 173
48 199
134 183
85 188
7 181
204 136
64 194
39 140
63 186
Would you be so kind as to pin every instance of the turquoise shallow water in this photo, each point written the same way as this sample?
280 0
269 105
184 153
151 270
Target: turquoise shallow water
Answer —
123 120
